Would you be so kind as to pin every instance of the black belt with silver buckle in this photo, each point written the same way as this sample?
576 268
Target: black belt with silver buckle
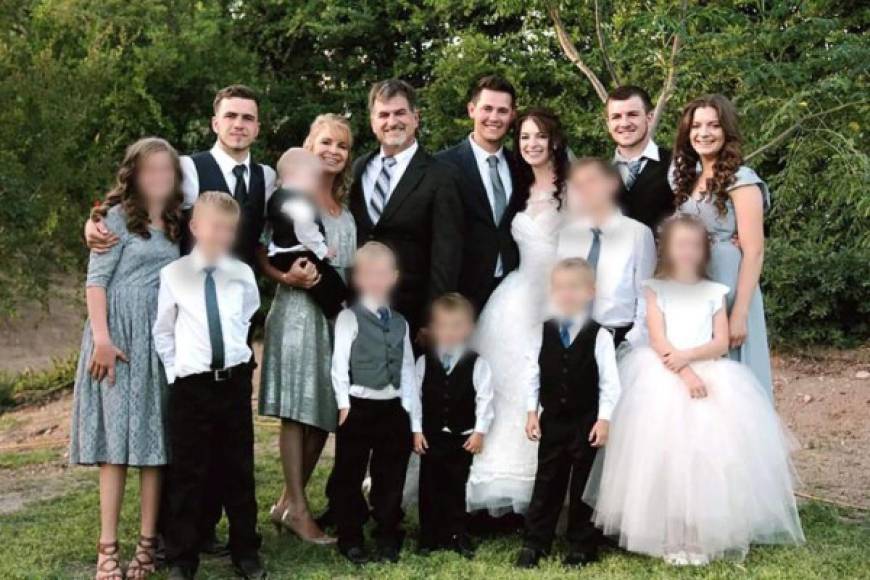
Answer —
221 375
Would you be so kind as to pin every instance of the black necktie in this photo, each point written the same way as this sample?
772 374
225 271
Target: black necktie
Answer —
241 190
212 314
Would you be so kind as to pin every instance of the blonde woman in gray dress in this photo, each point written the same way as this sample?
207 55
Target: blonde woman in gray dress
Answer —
295 383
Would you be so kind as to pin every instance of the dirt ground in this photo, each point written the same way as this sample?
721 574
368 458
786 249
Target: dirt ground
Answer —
824 399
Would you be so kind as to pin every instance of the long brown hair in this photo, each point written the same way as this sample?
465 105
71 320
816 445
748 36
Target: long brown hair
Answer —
126 193
664 267
686 159
548 123
331 121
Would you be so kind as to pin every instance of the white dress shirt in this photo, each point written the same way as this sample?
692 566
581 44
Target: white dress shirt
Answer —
609 387
481 378
346 328
304 216
190 178
373 169
181 335
651 151
480 156
627 258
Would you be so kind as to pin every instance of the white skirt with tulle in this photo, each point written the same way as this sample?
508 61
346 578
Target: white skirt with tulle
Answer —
702 477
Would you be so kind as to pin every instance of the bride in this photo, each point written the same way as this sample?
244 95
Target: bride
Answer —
503 474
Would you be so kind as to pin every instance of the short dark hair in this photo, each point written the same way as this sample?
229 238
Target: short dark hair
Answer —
235 92
625 92
492 83
452 302
390 88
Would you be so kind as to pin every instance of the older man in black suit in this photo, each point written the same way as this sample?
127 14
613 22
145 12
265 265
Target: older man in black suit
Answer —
485 178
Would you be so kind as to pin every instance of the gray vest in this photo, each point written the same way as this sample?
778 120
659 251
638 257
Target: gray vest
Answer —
377 351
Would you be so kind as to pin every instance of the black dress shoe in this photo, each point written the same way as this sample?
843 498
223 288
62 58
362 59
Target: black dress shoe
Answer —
462 545
528 558
389 553
250 568
179 573
356 554
214 547
580 558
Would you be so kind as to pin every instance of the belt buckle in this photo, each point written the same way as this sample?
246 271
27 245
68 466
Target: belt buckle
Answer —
221 375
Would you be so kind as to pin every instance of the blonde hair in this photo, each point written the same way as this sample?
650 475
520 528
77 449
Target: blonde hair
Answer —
331 121
452 302
577 265
218 200
371 251
297 157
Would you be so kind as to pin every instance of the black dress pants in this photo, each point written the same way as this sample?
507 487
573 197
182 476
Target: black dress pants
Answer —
378 432
443 474
564 455
212 443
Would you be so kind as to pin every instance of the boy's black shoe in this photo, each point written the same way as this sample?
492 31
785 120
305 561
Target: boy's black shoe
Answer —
356 554
214 547
389 552
580 558
528 558
179 573
462 545
250 568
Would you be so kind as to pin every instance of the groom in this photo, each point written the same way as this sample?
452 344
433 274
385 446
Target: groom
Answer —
485 178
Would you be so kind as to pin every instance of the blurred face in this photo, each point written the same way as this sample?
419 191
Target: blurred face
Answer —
303 177
394 123
492 113
214 231
628 122
570 292
706 134
534 144
236 123
333 147
685 251
591 191
450 328
375 278
155 177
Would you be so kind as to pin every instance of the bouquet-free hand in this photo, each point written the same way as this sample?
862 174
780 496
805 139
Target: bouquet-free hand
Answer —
599 433
737 330
342 415
420 444
98 237
697 388
675 360
474 443
533 427
103 360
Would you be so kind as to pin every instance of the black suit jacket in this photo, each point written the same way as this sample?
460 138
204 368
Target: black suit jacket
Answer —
423 223
485 240
650 199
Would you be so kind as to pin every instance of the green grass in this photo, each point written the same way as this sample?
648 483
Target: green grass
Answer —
17 459
56 539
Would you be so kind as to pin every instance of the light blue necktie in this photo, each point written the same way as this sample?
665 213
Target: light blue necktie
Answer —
595 249
446 361
633 171
565 333
213 315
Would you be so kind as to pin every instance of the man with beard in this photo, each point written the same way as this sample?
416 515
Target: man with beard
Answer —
403 197
484 172
645 194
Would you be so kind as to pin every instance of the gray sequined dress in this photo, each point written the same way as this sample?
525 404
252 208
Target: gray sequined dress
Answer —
295 381
725 267
125 423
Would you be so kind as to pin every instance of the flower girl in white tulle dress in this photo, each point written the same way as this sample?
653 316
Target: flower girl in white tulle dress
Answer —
697 466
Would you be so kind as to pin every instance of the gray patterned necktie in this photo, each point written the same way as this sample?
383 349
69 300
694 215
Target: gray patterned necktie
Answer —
633 171
381 193
498 193
595 249
212 313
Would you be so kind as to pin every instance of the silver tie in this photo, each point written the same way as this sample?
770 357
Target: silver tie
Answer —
381 193
499 196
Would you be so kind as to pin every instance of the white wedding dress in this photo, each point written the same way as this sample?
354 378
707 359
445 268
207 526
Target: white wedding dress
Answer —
503 474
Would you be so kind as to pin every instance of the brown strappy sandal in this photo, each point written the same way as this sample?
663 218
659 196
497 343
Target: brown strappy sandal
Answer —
110 567
144 562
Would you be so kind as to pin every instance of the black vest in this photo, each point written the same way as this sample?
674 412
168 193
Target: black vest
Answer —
569 376
449 399
650 199
253 213
283 232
